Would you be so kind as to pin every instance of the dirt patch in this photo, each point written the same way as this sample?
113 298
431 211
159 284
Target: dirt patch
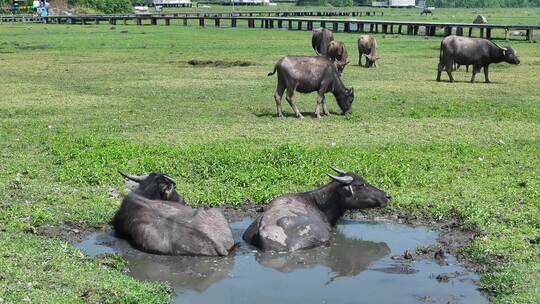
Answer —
71 232
31 47
219 63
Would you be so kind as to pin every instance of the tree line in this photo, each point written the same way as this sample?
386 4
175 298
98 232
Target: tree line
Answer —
436 3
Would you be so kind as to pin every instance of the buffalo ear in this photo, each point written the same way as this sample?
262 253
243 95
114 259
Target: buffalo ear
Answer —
351 90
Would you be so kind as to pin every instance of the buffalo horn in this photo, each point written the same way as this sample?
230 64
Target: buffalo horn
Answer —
170 179
344 180
135 178
338 170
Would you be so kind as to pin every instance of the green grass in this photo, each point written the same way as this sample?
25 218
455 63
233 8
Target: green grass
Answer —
78 103
513 16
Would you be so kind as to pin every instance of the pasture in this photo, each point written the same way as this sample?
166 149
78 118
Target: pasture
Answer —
80 102
521 16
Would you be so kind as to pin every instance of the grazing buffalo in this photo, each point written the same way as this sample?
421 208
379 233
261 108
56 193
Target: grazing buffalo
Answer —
478 52
367 45
305 220
427 11
310 74
338 53
154 218
480 20
320 40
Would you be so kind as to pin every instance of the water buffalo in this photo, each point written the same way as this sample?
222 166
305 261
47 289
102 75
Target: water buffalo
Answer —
305 220
155 187
320 40
478 52
480 20
427 10
154 218
367 45
338 53
309 74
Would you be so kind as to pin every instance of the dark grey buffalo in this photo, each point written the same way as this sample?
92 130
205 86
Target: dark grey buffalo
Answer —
478 52
310 74
305 220
367 46
320 40
427 11
480 20
338 53
154 218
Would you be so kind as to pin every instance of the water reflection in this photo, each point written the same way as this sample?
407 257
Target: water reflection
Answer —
196 273
346 256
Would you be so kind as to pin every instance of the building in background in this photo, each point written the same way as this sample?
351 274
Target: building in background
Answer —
394 3
401 3
172 3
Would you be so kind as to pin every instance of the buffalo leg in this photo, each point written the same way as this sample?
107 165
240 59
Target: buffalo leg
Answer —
277 97
290 93
360 60
448 67
486 73
325 108
439 71
475 70
319 103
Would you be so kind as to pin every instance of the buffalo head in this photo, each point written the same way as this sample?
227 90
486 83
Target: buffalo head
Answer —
345 99
510 55
155 186
354 192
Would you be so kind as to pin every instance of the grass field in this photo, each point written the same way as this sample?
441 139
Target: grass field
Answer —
80 102
514 16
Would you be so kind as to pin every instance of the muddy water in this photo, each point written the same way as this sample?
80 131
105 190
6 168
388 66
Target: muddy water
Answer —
360 266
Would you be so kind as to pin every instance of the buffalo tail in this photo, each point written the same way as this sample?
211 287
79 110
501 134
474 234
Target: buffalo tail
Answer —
272 73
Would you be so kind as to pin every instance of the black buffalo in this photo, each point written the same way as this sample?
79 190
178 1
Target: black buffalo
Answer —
154 218
304 220
310 74
478 52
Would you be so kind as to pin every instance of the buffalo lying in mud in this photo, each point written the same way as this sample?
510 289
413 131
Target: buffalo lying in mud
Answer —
478 52
320 40
153 216
309 74
305 220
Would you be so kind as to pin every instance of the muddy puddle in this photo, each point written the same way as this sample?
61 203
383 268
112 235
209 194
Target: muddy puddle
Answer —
363 264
